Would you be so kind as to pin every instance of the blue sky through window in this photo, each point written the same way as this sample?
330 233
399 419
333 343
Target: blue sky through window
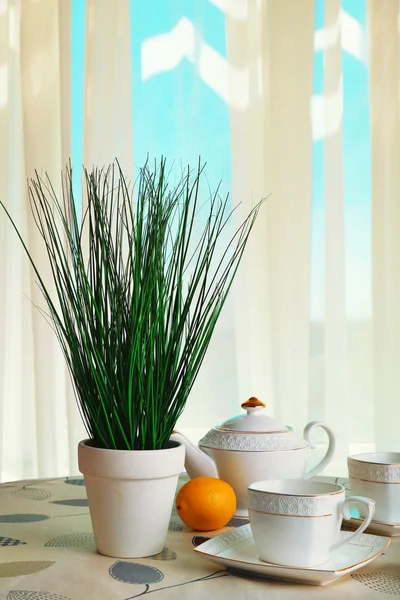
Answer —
176 114
78 27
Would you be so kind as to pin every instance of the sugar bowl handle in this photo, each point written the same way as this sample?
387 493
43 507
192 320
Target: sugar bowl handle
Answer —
330 451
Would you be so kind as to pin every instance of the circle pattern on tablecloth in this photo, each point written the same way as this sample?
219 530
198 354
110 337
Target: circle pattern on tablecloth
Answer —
237 522
71 502
175 524
199 539
23 518
32 595
23 567
164 555
74 481
31 493
130 572
72 540
387 583
7 541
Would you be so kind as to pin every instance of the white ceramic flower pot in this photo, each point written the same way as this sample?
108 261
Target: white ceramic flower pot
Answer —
130 495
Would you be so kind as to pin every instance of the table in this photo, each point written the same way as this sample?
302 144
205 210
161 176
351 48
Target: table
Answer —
47 552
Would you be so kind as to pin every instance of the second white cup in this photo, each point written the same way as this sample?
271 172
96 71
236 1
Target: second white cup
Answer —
377 475
296 523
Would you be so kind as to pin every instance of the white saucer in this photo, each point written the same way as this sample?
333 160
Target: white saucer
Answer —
235 550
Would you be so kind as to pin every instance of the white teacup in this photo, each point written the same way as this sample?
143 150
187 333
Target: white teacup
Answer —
296 523
377 475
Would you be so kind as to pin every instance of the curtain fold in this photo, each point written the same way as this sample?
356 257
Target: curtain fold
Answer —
247 53
108 86
15 314
335 372
384 69
42 117
271 141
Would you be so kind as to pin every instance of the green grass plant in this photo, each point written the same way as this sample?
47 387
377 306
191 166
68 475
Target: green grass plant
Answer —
140 281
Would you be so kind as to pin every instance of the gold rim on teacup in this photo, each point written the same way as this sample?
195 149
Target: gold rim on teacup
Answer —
375 481
305 495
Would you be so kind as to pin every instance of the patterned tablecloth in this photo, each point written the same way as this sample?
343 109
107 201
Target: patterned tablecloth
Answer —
47 552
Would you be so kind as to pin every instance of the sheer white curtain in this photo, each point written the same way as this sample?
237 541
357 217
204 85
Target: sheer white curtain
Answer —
264 342
108 86
38 421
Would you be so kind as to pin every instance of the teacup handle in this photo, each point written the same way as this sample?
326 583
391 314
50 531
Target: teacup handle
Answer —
370 506
330 451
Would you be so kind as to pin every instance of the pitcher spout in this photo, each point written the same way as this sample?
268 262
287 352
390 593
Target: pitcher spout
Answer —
197 462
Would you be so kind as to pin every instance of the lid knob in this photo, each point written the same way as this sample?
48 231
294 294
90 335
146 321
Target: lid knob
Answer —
252 403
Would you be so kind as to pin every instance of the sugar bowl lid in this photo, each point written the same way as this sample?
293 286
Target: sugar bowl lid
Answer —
254 431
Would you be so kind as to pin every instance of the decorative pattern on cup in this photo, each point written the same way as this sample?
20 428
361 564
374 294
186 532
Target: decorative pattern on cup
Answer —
297 506
373 472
